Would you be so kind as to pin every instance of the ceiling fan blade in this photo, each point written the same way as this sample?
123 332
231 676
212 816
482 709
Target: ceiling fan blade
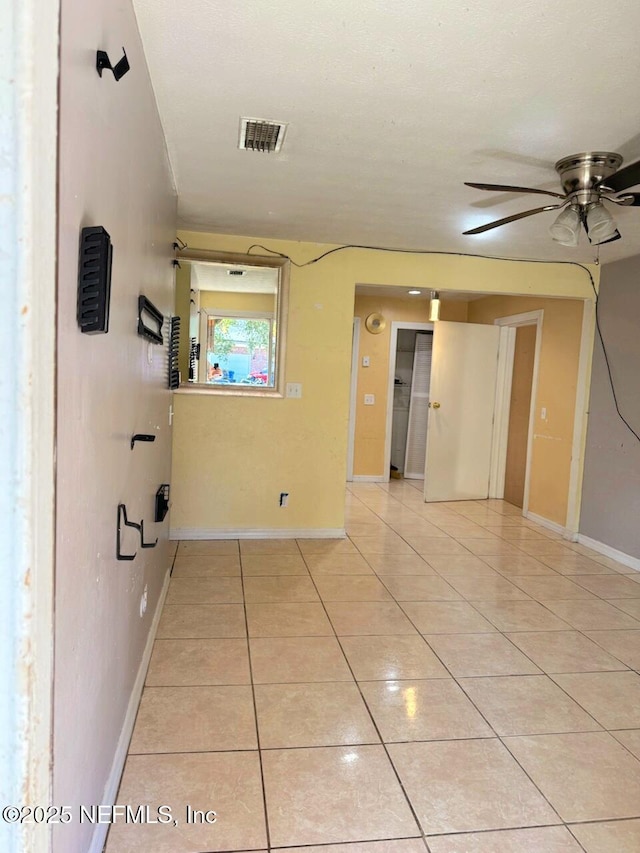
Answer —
624 199
624 178
498 222
507 189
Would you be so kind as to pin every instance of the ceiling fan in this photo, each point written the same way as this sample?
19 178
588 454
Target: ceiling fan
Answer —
588 180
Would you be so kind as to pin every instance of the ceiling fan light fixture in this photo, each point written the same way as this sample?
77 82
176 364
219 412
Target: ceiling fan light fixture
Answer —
434 307
566 228
601 224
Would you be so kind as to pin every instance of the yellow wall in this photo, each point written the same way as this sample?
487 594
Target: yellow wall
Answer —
557 384
371 421
263 302
234 455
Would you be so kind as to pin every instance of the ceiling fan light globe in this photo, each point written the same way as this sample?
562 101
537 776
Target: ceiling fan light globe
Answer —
601 224
566 228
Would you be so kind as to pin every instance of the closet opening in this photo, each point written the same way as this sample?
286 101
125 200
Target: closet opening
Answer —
410 403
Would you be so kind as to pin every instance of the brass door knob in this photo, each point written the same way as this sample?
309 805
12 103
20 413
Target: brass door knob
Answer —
435 405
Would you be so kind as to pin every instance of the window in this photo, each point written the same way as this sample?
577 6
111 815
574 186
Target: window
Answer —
233 310
240 348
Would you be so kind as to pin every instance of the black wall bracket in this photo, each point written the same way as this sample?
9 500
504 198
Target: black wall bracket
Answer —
150 320
119 69
144 544
162 502
122 519
141 436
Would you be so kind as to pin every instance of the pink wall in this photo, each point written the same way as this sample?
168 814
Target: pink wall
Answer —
114 172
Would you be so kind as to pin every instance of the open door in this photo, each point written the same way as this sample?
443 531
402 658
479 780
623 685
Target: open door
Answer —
461 408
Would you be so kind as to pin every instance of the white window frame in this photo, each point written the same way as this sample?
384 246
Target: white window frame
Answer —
280 315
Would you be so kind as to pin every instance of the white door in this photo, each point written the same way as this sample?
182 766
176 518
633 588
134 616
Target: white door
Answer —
418 408
462 398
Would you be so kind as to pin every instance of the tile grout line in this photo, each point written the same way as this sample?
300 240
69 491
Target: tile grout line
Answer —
255 708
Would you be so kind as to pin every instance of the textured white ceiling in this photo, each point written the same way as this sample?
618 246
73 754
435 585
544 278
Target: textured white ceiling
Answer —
390 108
210 276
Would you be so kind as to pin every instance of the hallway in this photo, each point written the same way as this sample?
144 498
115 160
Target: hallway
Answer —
450 678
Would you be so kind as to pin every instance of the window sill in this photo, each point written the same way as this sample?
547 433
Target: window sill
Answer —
229 391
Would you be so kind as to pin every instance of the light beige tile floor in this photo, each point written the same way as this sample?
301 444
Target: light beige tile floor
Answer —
429 684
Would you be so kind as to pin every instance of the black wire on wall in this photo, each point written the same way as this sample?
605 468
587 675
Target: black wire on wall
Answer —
484 257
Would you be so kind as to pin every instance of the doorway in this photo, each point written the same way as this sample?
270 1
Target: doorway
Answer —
519 358
410 413
519 414
407 402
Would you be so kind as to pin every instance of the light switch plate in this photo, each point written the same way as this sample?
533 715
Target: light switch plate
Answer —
369 399
365 361
294 389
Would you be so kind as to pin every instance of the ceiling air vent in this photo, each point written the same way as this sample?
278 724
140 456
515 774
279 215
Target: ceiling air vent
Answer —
257 134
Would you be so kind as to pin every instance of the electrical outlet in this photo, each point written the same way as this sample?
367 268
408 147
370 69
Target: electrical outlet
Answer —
284 499
294 389
369 399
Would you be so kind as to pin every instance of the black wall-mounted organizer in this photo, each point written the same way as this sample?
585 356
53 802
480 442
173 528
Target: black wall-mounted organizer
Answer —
162 502
150 321
174 347
194 357
94 280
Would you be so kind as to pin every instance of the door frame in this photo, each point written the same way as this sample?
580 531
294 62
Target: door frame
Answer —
572 521
396 325
353 396
506 355
29 65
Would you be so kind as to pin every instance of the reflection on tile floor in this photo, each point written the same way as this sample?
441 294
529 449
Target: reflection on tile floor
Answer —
433 682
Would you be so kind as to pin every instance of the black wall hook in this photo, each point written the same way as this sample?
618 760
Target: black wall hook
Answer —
144 544
122 517
141 436
119 69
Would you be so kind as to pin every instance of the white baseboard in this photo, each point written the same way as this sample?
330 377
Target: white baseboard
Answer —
369 478
249 533
608 551
113 782
552 525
